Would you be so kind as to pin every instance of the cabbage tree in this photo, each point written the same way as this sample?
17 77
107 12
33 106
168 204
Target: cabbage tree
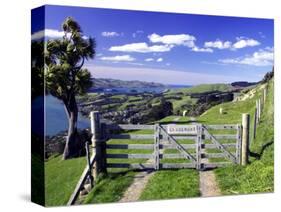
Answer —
65 76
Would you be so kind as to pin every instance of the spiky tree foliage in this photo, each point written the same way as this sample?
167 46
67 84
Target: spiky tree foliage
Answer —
268 76
37 69
65 76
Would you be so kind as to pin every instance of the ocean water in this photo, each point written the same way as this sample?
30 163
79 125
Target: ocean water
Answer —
121 90
56 119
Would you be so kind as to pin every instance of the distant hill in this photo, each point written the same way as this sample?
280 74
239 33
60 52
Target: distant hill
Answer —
103 83
204 88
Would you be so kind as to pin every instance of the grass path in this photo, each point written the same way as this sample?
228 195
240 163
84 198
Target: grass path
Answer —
135 190
141 179
208 185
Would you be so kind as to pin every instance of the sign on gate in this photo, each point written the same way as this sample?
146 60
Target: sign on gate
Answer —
182 129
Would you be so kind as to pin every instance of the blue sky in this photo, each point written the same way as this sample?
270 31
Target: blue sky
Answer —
168 48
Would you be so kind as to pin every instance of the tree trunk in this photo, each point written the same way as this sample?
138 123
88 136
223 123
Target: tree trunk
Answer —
72 144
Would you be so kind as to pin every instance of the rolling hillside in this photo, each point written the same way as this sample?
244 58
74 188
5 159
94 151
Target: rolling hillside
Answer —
253 178
203 88
258 175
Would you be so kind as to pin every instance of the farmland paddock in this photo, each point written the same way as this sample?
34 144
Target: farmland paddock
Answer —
222 145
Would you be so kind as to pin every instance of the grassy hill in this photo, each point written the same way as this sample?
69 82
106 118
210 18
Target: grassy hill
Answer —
258 175
61 178
253 178
184 98
203 88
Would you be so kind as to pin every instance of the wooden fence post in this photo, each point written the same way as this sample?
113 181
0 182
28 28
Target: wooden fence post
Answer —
255 123
156 146
238 144
245 138
98 143
264 94
259 114
89 164
199 147
258 110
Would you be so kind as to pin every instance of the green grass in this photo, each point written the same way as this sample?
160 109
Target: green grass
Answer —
167 119
128 151
128 104
203 88
170 184
254 178
37 179
258 176
110 188
171 119
61 178
177 104
232 112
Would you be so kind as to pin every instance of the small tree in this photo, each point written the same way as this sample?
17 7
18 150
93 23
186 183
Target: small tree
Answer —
65 77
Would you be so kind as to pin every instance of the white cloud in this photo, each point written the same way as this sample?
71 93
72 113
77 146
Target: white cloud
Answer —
38 35
168 64
159 59
245 42
197 49
149 59
110 34
50 33
166 43
179 39
218 44
119 58
241 42
141 48
263 57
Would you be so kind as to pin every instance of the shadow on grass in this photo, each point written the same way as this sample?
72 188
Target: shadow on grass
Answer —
259 155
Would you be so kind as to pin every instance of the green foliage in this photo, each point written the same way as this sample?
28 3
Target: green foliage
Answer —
170 184
37 69
160 111
65 78
65 58
268 76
